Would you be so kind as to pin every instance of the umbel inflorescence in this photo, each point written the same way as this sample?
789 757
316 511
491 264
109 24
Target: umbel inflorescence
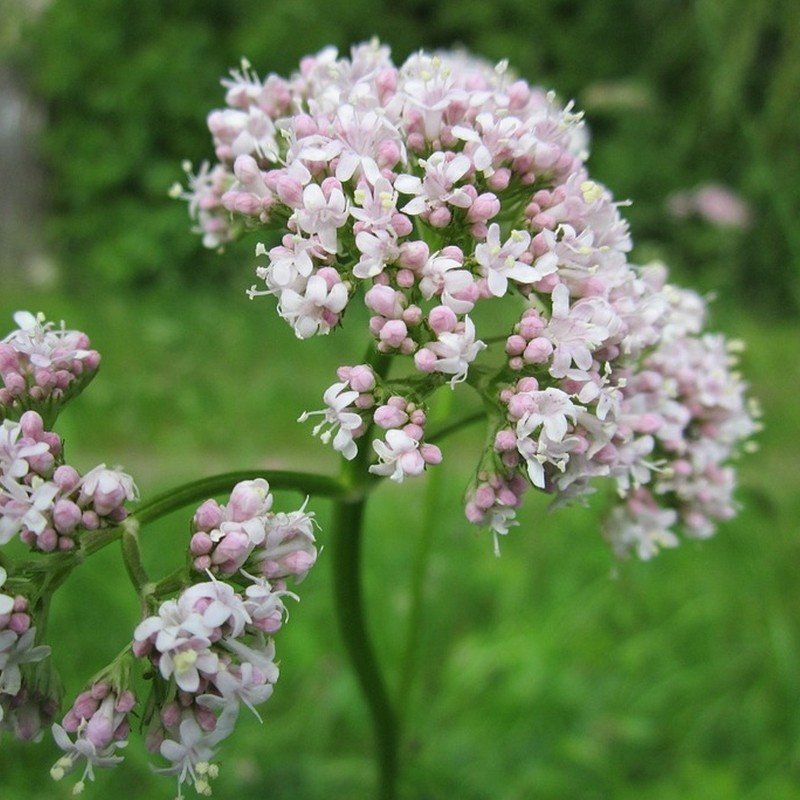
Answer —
430 190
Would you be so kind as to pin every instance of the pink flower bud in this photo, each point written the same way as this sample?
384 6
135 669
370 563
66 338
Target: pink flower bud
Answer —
474 514
430 453
125 702
19 623
414 432
393 332
425 360
440 217
32 425
330 276
414 255
246 170
66 516
290 191
505 440
531 325
299 562
418 417
538 351
249 499
520 405
387 416
208 516
484 208
500 179
412 315
90 520
385 301
362 378
442 319
201 544
402 224
456 253
515 345
47 540
170 715
527 384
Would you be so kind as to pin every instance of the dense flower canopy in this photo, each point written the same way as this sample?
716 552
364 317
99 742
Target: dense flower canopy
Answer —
431 189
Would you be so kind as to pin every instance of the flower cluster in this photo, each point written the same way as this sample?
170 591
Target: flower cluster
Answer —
432 189
41 366
17 647
210 648
361 399
99 720
47 502
246 534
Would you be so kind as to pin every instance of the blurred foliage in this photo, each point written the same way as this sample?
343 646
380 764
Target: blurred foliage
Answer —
677 94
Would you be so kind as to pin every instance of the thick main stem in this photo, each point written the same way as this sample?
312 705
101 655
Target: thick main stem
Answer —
349 608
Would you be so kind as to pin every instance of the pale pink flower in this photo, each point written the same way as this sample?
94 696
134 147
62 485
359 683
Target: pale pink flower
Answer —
399 456
338 422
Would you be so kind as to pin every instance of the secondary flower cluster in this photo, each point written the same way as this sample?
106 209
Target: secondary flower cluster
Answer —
207 651
99 720
246 534
437 187
48 503
42 366
361 399
17 647
209 648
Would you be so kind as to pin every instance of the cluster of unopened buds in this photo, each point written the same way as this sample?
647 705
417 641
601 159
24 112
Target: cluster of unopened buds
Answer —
42 366
247 535
431 190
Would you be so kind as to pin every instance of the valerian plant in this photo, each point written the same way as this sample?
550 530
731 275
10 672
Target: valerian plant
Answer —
428 192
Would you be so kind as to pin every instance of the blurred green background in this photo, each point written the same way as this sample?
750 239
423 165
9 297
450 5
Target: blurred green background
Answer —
552 672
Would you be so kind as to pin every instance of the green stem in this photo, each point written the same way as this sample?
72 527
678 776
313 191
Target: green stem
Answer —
454 427
419 572
132 555
349 608
348 519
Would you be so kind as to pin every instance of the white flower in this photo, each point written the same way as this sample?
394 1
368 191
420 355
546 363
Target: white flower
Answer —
574 332
315 309
27 507
6 601
82 748
456 351
338 419
322 215
399 456
193 750
437 186
14 653
224 606
13 463
500 262
552 408
445 276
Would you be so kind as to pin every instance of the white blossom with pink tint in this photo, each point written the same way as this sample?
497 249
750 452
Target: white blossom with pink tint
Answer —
399 456
455 351
337 420
316 310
